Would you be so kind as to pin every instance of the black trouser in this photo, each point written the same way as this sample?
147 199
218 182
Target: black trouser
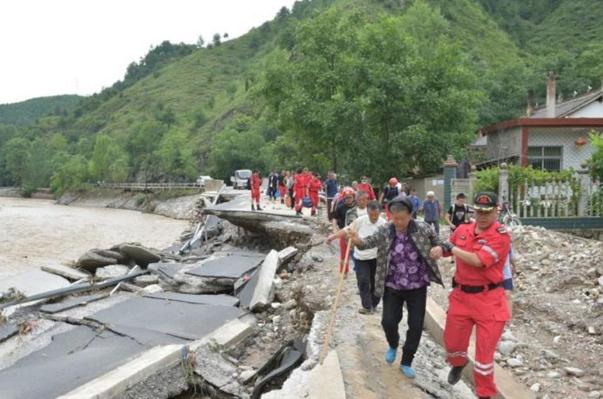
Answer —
435 225
365 275
393 301
329 213
292 205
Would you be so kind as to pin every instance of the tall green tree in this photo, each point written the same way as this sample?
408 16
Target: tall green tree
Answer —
109 160
176 156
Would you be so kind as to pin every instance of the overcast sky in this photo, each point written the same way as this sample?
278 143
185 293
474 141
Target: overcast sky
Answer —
50 47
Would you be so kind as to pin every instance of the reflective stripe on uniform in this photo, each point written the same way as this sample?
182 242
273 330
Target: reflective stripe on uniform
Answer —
482 372
483 369
491 252
484 366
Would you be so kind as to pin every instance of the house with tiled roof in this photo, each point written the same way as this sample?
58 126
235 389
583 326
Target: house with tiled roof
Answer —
553 137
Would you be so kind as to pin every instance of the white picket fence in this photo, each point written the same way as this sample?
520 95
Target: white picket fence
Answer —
557 199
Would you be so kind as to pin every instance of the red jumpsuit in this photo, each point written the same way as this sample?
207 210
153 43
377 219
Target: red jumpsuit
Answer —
256 183
367 188
300 187
314 188
487 310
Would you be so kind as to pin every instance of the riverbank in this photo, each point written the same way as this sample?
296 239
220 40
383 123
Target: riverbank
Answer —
175 204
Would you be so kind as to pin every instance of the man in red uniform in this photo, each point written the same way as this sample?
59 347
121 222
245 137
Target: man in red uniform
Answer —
478 297
314 188
255 183
365 186
300 188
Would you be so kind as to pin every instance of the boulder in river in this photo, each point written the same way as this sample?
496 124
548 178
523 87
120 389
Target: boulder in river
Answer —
141 255
91 261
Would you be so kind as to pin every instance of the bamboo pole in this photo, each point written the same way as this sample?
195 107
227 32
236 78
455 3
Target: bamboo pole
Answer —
329 330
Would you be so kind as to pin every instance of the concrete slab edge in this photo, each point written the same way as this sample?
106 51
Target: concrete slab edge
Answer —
157 359
508 387
140 368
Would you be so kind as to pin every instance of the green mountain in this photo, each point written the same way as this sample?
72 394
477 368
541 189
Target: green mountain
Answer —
27 112
312 86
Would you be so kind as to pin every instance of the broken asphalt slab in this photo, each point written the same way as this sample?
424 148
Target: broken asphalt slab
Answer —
71 303
71 359
7 330
178 319
33 282
219 299
264 290
65 271
233 266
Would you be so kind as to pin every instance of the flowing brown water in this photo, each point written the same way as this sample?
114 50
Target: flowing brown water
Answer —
36 232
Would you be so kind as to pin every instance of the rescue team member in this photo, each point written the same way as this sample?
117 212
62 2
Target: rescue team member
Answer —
314 188
339 222
390 191
300 188
255 184
365 186
478 298
404 271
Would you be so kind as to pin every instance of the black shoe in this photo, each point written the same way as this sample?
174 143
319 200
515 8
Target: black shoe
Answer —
259 209
484 397
252 208
455 374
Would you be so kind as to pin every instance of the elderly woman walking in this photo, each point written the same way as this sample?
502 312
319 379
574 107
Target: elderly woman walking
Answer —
404 271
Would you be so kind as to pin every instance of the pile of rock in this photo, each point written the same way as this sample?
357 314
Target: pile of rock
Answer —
556 343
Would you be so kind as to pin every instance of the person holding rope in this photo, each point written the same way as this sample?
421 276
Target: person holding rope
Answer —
365 261
404 270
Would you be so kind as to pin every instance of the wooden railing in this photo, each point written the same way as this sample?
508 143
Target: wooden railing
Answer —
148 186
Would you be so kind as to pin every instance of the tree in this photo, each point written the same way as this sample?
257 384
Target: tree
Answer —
225 35
70 173
109 160
176 156
216 40
596 161
16 158
200 41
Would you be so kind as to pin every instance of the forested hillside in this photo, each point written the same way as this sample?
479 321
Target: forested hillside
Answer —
27 112
362 86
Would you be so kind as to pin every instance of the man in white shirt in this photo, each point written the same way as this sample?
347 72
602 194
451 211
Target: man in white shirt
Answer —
365 261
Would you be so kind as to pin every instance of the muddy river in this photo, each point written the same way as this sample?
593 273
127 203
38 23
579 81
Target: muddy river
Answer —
35 232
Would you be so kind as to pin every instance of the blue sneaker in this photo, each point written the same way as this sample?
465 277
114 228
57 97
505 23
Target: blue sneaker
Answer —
390 355
408 371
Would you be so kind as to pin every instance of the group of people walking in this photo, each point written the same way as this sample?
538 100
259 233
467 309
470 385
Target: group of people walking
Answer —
395 261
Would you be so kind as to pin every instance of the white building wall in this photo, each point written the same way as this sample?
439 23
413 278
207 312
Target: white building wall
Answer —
504 144
592 110
572 156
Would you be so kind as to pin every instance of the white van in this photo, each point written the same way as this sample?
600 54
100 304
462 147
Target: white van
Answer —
239 180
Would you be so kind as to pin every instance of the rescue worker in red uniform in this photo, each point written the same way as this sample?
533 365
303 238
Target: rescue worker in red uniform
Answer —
365 186
478 298
314 188
300 188
255 183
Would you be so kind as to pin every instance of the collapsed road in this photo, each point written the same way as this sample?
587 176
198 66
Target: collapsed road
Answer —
240 313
